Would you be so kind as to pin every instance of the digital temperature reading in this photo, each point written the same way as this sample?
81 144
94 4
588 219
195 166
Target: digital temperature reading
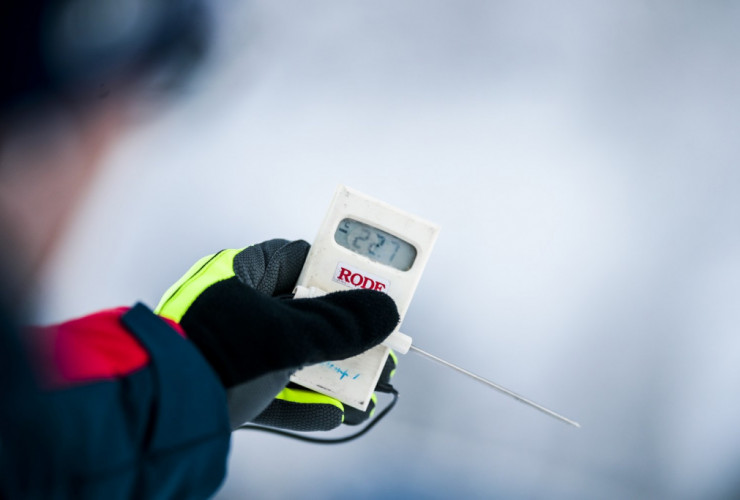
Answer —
375 244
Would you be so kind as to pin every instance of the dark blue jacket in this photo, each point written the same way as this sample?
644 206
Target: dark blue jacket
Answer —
159 432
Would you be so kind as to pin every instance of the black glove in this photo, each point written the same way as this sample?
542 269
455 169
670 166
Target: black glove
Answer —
227 305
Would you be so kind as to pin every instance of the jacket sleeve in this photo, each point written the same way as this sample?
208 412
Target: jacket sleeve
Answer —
135 412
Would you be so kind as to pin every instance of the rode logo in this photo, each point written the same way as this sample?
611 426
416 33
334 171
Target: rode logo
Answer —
354 278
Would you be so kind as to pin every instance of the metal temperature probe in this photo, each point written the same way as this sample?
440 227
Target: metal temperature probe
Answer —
499 388
365 243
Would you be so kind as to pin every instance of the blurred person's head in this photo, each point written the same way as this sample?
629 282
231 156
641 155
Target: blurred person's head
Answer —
70 70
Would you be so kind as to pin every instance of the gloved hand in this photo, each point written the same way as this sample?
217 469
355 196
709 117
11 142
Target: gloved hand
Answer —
227 304
299 409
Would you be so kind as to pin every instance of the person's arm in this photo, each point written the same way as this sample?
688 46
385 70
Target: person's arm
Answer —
134 409
129 409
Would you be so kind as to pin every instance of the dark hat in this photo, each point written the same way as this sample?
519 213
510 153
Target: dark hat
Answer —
52 48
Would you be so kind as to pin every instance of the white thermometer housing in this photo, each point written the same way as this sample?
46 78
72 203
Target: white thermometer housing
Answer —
363 243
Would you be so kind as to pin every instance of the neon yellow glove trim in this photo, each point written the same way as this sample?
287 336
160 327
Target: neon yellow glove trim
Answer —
306 396
395 360
375 400
204 273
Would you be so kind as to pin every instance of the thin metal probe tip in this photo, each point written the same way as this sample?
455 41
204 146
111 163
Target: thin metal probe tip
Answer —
499 388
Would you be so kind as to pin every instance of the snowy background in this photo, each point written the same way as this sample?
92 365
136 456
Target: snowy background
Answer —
582 160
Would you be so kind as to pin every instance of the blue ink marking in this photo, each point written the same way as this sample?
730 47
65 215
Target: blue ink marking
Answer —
341 371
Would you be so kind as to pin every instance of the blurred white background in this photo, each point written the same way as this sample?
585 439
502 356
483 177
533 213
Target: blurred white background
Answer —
582 160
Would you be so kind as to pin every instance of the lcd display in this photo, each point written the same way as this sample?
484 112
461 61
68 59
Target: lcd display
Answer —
375 244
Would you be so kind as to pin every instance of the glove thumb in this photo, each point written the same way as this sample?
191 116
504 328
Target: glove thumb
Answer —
245 334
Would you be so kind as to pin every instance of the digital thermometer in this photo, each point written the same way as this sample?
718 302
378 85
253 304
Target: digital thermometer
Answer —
365 243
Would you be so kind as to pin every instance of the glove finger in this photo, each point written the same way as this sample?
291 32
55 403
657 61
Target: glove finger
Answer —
244 334
353 416
389 369
271 267
302 410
